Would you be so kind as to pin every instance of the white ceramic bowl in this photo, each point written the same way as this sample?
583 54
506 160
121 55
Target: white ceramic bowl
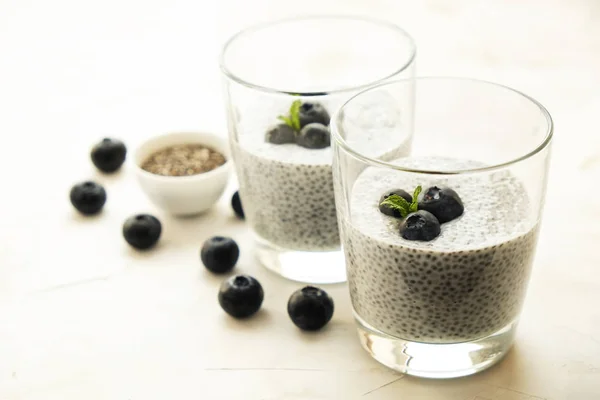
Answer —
183 195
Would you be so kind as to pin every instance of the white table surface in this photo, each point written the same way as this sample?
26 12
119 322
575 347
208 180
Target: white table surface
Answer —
84 317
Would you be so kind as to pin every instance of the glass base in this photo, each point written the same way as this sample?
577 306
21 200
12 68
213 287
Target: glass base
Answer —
317 267
430 360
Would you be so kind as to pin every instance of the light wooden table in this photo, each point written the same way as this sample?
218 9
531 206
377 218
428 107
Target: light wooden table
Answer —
84 317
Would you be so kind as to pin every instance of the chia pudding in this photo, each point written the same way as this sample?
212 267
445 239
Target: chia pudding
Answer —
287 193
465 284
287 190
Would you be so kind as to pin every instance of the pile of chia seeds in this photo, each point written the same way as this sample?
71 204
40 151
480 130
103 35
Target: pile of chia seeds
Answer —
183 160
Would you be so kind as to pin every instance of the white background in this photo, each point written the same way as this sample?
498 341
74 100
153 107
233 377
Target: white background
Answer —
84 317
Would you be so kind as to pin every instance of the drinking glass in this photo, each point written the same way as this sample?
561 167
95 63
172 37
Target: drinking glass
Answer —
287 189
448 305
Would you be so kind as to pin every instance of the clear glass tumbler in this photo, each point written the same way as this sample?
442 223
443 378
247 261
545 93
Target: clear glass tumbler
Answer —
438 292
279 78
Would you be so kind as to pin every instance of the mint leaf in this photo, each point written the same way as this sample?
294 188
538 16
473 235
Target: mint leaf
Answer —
293 119
396 202
295 114
286 120
414 205
400 204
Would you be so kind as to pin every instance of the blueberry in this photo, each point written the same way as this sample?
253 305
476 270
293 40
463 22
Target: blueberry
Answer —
421 225
314 136
313 112
236 204
88 197
310 308
443 202
280 134
142 231
390 211
241 296
219 254
108 155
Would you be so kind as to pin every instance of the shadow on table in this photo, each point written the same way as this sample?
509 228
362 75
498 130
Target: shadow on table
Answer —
257 321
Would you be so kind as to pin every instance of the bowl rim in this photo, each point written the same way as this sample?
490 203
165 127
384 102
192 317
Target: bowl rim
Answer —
186 178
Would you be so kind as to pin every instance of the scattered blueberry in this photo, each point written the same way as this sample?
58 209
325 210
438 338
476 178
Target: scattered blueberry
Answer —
108 155
443 202
280 134
385 209
142 231
219 254
236 204
88 197
421 225
313 112
314 136
241 296
310 308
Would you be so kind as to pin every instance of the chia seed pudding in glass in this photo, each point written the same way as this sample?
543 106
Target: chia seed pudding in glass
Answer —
279 106
439 243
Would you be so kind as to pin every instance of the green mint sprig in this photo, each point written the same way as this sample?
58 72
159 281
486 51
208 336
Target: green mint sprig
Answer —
293 119
400 204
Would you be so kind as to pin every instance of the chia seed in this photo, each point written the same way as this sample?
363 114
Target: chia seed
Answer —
183 160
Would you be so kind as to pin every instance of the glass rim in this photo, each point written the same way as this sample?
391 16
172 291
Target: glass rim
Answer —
257 27
340 141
